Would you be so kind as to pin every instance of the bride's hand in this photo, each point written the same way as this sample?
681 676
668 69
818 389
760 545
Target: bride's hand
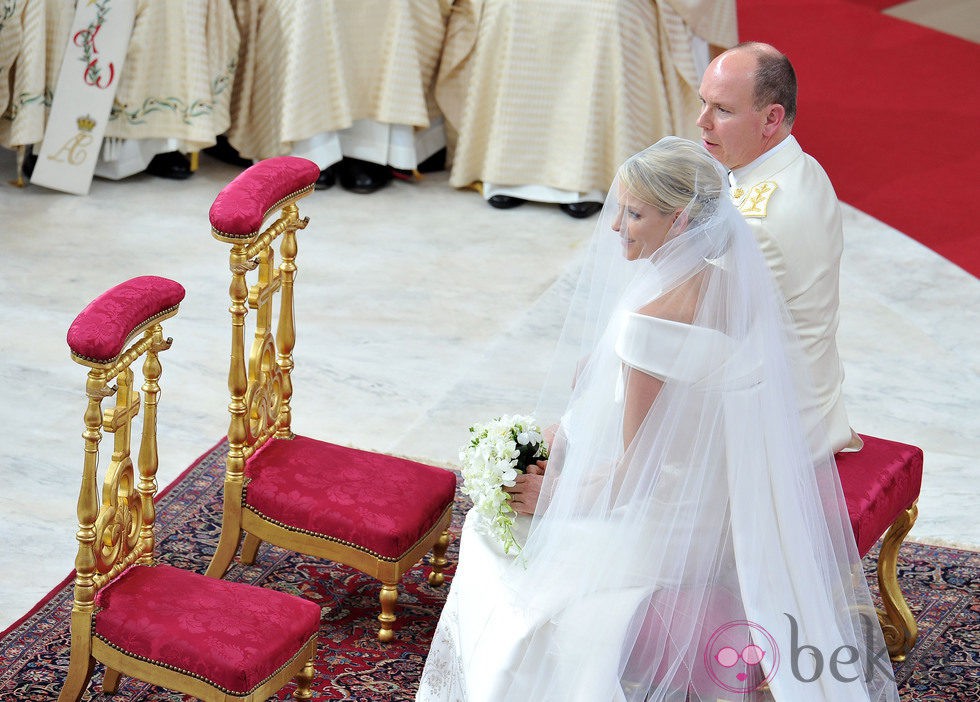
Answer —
549 434
527 488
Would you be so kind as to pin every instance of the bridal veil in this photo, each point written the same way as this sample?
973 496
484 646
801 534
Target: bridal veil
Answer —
689 543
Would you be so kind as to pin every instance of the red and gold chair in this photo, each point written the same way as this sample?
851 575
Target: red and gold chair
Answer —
209 638
378 514
881 484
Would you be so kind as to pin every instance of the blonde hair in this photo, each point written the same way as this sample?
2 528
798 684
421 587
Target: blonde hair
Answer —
674 174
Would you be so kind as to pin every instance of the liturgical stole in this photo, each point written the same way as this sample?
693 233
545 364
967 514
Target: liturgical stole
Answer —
90 72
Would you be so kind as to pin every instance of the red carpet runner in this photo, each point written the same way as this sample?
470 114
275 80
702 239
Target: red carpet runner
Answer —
890 110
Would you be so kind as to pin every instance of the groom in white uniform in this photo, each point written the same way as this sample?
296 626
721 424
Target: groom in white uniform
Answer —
749 104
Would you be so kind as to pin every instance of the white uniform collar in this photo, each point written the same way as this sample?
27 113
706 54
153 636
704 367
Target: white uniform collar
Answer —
737 174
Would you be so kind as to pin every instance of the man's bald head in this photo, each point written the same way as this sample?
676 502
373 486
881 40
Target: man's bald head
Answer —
749 96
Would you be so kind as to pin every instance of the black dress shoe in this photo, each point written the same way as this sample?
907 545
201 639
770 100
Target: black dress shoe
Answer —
362 176
328 177
225 152
173 165
30 160
505 202
435 162
581 210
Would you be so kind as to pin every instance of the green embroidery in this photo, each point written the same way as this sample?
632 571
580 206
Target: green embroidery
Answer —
175 105
223 80
23 100
7 10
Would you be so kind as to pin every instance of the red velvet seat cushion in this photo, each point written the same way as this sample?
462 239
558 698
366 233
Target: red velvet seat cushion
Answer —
234 635
243 204
381 504
879 482
101 330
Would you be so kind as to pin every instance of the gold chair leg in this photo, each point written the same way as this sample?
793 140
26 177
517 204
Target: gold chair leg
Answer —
388 597
110 681
231 534
81 665
250 548
222 556
897 623
439 560
304 682
79 673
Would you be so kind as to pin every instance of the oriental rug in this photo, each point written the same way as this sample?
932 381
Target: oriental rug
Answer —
940 583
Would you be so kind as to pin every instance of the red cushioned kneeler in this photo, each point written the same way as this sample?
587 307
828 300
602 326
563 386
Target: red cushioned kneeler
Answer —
380 504
881 484
379 514
101 330
200 636
210 629
880 481
244 204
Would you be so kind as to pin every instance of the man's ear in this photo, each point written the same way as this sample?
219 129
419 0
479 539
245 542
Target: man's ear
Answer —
774 119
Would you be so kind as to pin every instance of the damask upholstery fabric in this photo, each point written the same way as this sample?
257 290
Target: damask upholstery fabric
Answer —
101 330
245 202
233 634
382 504
879 482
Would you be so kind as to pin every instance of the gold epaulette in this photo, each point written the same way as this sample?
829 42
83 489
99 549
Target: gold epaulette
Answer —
754 203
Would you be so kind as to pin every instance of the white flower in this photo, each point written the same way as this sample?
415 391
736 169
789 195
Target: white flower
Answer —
497 452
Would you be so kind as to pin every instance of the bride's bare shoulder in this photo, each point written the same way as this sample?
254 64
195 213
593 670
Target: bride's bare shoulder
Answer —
678 305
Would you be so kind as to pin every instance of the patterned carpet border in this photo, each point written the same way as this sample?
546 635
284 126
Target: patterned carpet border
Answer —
940 584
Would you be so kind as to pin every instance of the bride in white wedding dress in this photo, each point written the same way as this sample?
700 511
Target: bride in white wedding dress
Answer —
687 544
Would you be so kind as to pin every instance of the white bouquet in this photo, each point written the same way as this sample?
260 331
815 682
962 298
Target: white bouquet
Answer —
497 452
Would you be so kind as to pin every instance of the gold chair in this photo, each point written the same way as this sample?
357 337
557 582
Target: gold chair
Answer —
378 514
209 638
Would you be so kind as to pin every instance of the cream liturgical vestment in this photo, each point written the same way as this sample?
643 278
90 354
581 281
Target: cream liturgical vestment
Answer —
791 207
32 40
179 71
558 93
173 93
338 78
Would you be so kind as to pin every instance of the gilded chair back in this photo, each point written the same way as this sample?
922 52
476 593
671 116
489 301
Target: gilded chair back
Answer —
379 514
116 524
261 382
261 386
176 628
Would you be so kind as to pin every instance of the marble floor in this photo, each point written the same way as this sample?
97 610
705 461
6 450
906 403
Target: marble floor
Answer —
420 309
958 17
